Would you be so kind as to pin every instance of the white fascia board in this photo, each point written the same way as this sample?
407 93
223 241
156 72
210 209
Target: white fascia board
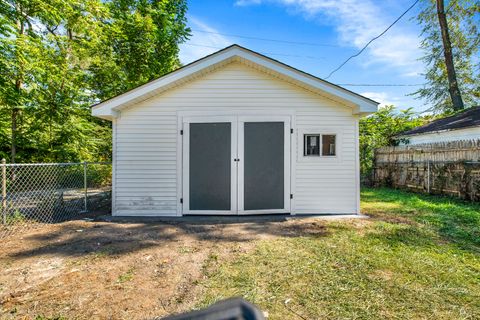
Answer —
105 114
110 108
364 104
118 102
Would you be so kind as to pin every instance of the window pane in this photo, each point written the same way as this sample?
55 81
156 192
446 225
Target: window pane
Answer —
311 145
328 145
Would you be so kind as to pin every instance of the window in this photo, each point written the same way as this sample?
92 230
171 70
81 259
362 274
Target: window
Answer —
311 145
328 145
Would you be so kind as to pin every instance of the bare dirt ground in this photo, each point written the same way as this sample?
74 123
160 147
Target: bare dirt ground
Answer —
107 270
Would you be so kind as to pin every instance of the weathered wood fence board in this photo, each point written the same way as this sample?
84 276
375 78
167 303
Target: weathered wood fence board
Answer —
451 168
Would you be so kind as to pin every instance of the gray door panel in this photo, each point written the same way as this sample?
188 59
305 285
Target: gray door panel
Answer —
210 166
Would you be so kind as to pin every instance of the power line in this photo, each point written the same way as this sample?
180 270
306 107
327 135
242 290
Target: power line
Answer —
380 85
269 39
267 53
320 58
373 39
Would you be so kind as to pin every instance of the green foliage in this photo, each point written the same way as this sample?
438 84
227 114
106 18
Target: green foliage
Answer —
379 129
138 44
59 57
99 175
463 21
127 276
42 317
15 218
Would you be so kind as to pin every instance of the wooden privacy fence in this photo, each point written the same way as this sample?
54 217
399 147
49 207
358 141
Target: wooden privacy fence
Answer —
451 168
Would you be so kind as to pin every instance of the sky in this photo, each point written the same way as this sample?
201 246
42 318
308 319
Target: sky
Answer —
316 36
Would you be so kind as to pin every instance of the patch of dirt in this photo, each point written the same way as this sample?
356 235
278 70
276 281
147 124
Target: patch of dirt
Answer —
103 270
395 219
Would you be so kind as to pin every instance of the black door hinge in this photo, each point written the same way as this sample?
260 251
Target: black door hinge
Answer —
291 196
291 130
181 200
181 132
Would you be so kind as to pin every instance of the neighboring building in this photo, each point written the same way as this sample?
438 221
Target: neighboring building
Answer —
235 133
462 126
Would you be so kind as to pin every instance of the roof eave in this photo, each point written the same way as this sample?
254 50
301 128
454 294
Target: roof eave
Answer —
432 132
109 108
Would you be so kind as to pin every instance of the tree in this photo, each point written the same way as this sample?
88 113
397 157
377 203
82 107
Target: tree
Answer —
446 82
447 52
45 88
20 48
139 43
379 130
59 57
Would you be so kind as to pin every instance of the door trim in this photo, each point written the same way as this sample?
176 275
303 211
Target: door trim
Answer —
213 112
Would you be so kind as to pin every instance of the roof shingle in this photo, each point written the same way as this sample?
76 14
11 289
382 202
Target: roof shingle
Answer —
466 119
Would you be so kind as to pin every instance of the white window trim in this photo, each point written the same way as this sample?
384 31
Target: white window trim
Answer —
301 132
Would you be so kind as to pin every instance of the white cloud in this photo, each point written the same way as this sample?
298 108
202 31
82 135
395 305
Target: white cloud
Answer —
414 74
381 97
386 99
201 44
247 2
356 23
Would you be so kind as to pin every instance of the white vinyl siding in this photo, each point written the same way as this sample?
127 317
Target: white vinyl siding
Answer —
472 133
146 141
324 184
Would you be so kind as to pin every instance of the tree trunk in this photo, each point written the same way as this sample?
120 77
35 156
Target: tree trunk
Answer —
13 151
18 89
447 51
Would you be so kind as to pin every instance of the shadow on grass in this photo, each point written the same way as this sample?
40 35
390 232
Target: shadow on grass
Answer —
415 220
122 238
404 235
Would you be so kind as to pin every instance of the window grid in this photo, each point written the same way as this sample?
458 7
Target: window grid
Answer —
319 145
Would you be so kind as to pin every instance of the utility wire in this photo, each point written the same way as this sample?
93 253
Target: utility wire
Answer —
373 39
320 58
267 53
380 85
269 39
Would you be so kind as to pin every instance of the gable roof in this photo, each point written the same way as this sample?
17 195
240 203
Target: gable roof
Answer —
110 108
466 119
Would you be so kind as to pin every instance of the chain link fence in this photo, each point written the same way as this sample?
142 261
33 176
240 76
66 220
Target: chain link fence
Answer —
43 193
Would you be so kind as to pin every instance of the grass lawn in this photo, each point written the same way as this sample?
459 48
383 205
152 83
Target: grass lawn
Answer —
417 258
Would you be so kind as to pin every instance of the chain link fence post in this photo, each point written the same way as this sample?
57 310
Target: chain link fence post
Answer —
85 200
4 191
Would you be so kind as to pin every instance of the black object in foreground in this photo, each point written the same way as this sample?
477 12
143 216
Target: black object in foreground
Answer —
230 309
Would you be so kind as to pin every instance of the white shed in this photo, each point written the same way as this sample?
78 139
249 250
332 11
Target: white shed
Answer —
235 132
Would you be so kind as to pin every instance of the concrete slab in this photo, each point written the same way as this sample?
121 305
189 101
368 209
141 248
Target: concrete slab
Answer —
227 219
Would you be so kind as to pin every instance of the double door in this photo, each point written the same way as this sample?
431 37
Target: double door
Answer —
236 164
